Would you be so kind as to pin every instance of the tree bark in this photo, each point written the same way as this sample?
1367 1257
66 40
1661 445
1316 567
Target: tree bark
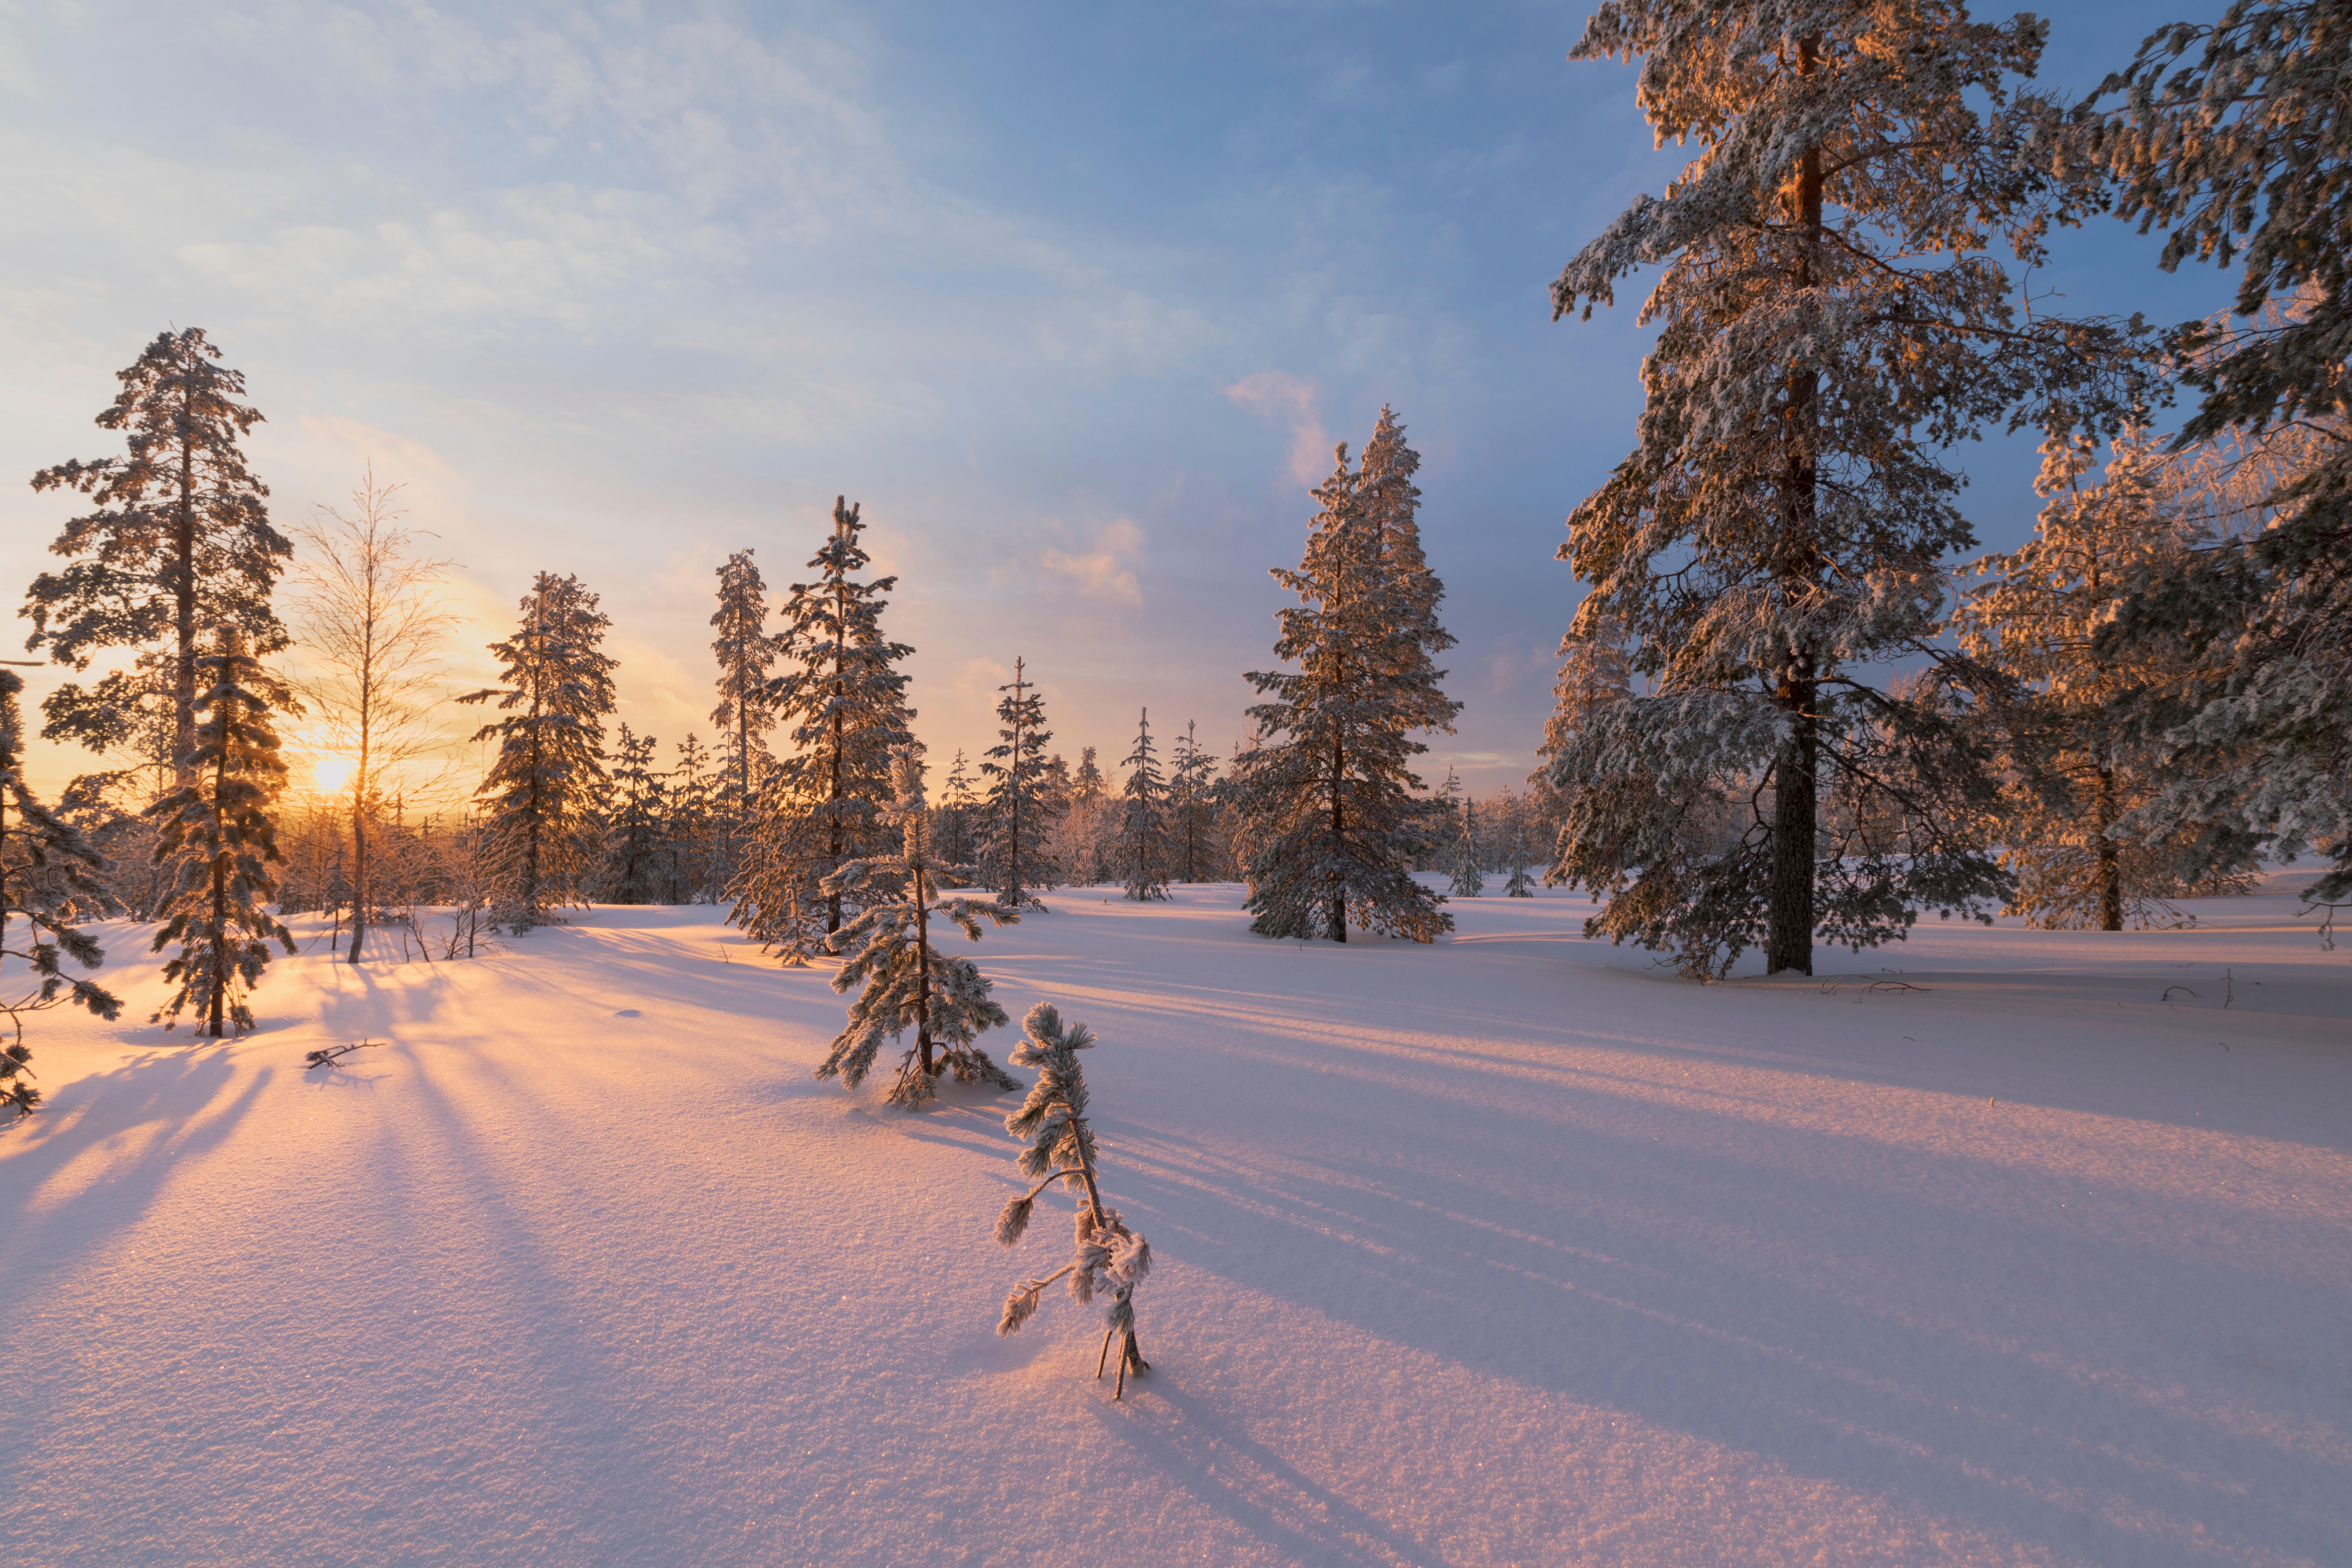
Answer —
1789 937
2111 871
184 601
220 879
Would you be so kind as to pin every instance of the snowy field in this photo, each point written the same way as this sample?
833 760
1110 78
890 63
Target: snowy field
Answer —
1512 1249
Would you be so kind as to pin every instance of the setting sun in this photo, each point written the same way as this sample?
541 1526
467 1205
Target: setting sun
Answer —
330 774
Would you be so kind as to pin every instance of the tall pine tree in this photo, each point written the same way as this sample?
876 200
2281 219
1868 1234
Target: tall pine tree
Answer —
633 823
1193 805
220 837
1020 805
2237 138
846 702
1143 826
746 653
1833 315
2084 763
1328 798
47 873
180 540
542 789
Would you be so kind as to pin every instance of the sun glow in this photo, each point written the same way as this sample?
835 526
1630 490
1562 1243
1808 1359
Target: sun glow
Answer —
330 774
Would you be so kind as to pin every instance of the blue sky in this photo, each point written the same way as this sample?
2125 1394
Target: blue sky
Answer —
1073 299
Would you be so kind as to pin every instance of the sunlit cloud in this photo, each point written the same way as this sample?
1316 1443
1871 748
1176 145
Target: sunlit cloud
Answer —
1283 399
1100 573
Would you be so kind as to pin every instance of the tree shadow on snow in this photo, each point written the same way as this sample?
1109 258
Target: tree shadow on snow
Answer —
1193 1442
158 1109
1666 1277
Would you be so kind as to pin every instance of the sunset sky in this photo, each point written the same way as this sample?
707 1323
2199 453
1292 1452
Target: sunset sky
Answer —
1073 299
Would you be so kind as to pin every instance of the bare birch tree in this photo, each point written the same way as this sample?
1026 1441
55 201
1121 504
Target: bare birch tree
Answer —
365 607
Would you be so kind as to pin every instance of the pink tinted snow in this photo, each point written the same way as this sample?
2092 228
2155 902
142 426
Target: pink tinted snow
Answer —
1511 1250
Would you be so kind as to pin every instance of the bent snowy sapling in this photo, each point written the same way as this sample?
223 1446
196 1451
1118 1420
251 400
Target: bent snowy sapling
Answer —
908 984
1108 1259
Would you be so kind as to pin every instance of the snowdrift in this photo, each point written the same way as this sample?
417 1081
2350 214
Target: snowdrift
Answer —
1998 1246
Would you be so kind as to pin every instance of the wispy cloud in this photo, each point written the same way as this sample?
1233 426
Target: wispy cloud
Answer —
1283 399
1101 572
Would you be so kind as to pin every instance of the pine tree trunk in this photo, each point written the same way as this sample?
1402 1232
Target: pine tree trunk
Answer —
1789 938
1013 839
184 605
1338 916
2111 870
922 973
220 881
833 817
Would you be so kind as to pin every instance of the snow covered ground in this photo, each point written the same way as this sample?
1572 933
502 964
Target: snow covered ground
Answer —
1511 1250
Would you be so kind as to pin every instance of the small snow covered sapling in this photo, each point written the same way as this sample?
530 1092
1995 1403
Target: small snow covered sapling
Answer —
909 983
1108 1259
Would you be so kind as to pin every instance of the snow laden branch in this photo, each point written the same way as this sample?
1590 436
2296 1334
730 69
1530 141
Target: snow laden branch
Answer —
48 874
908 983
1107 1258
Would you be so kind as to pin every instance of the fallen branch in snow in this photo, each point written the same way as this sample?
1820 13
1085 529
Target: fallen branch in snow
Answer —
1896 985
328 1056
2166 997
1109 1258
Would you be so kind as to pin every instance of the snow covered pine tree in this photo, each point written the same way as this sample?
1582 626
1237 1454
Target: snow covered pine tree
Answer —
181 541
2248 149
49 873
1832 318
1192 804
220 836
2085 762
1021 802
1328 806
634 825
822 806
1108 1257
1469 881
908 983
549 773
745 652
1143 832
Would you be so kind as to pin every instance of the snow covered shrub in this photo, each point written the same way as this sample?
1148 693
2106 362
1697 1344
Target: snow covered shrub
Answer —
908 984
1107 1258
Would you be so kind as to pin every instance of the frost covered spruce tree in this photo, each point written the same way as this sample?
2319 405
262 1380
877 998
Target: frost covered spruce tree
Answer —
1143 829
1021 804
745 652
633 823
542 788
1107 1258
2237 138
49 880
2086 761
957 814
180 540
1469 879
220 839
823 807
690 870
1327 798
1192 807
903 981
1833 312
